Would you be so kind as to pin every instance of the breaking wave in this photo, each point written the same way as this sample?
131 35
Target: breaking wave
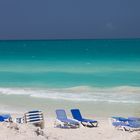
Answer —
122 94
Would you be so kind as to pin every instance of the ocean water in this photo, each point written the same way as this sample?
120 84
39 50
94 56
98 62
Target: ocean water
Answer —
97 76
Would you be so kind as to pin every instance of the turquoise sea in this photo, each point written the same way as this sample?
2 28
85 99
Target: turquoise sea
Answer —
98 76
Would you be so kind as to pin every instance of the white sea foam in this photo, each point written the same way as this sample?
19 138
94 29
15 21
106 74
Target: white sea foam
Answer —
123 94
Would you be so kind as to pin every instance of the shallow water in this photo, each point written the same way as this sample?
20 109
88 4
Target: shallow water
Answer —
101 77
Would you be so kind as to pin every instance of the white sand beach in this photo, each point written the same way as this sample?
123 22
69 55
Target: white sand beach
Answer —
103 132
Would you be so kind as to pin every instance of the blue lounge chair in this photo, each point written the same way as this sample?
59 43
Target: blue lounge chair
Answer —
64 122
5 117
127 124
34 117
85 122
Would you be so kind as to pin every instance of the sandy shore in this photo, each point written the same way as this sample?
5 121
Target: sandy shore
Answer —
103 132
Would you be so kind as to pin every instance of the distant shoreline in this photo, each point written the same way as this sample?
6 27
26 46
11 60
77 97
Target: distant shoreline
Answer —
84 39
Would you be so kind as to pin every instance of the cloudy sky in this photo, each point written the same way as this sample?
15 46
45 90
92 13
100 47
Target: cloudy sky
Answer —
68 19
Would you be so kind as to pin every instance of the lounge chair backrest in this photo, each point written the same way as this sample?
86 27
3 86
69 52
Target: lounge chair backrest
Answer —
33 117
121 119
61 114
76 114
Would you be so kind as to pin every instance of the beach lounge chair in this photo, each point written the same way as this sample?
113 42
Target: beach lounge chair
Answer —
64 122
126 124
5 117
85 122
34 117
129 126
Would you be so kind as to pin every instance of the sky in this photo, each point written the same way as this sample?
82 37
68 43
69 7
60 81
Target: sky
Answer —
69 19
